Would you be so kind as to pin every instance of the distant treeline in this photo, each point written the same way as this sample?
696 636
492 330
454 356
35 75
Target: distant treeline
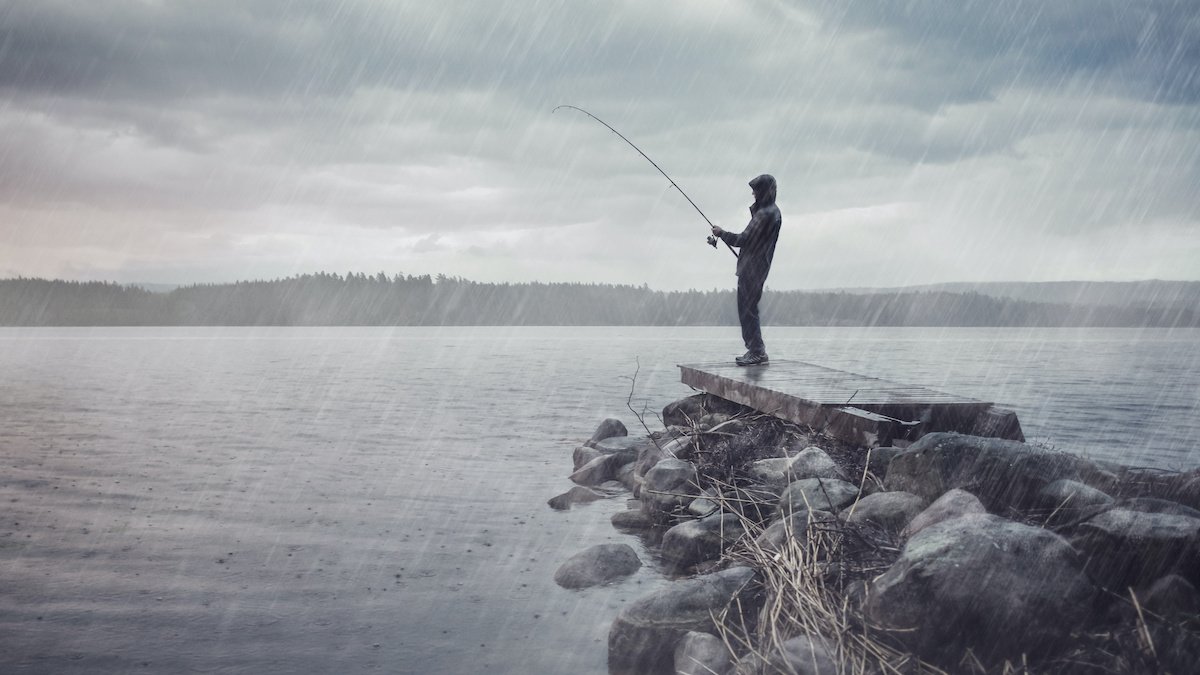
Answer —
359 300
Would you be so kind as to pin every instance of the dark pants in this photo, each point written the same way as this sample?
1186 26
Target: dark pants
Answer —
749 292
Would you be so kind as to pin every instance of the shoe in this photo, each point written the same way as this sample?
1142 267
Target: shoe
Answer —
752 359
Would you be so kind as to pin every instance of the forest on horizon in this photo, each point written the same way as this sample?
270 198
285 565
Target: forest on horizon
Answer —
357 299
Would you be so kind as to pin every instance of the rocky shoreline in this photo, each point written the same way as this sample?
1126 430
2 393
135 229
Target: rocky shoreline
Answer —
797 554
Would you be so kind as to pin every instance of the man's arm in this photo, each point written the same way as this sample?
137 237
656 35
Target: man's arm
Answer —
740 239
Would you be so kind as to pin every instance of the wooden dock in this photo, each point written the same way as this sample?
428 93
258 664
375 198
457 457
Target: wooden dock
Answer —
855 408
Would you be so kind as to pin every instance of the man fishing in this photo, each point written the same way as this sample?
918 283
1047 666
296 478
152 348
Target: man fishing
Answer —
757 244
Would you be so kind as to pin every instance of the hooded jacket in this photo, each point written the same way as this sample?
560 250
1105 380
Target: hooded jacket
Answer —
757 241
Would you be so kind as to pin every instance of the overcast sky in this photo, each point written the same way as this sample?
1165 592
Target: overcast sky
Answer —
913 142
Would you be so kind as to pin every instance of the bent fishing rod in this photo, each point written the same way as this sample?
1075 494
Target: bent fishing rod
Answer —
711 239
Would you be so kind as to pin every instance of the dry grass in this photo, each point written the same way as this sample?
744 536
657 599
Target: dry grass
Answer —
804 594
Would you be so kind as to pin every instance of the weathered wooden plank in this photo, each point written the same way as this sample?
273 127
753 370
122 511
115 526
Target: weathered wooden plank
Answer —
862 409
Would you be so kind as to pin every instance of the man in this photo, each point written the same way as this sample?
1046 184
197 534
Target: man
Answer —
757 244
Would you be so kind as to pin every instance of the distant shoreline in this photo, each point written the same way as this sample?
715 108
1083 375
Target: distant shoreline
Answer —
359 300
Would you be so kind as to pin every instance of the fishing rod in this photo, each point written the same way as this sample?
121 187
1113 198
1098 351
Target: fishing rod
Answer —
711 239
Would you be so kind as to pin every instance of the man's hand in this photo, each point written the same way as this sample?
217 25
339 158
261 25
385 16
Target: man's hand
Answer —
717 231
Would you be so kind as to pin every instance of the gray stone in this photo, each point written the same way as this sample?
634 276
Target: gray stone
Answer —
889 510
672 483
704 505
1171 596
644 635
607 429
629 445
702 654
627 477
795 527
1155 505
695 541
576 495
1000 473
597 565
633 519
1131 548
800 655
1064 499
774 471
879 459
756 503
654 454
816 494
998 587
813 462
601 469
953 504
582 455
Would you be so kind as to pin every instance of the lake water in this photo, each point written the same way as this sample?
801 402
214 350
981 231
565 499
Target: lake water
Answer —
353 500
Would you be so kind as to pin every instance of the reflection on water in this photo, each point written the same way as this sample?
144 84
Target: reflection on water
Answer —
358 500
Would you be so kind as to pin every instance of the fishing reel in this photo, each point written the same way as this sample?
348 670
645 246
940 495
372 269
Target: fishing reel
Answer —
712 241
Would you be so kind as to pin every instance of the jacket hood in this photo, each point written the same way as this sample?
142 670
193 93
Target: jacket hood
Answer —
764 191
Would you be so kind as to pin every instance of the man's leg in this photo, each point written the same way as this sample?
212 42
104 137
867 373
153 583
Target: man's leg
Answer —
749 293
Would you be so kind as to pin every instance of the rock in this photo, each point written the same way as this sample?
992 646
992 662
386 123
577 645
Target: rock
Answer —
800 655
1065 499
704 505
597 565
818 494
626 476
794 526
1131 548
1001 473
1154 505
654 454
774 471
576 495
979 581
582 455
695 541
953 504
607 429
711 420
1171 596
702 654
756 503
879 459
670 484
601 469
633 519
644 635
813 462
630 446
889 510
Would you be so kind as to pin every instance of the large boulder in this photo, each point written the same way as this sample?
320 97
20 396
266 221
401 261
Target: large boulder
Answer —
1132 548
1001 473
702 654
773 471
800 655
655 453
695 541
670 484
607 429
1065 500
632 519
953 504
574 496
878 460
982 582
816 494
888 510
795 527
597 565
582 455
813 462
601 469
644 635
